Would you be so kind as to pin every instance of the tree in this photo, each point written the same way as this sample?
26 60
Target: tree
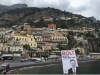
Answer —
27 47
77 51
71 33
80 35
41 23
71 42
71 22
61 46
89 35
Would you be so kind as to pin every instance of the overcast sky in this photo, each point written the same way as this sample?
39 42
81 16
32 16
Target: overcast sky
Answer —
83 7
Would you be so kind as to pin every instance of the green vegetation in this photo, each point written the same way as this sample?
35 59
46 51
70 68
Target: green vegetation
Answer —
41 23
10 52
30 14
28 48
89 35
77 51
62 45
71 41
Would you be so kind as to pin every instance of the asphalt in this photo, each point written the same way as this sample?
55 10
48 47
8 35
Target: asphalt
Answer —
17 64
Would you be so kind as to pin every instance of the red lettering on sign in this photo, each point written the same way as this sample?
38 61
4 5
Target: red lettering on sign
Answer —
67 52
63 53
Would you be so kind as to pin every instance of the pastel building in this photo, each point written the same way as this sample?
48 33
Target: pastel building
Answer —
57 37
52 26
25 39
15 47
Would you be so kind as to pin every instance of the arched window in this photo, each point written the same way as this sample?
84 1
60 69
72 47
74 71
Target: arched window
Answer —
31 39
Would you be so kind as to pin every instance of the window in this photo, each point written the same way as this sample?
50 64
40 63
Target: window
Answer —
56 38
19 38
31 39
14 38
19 49
22 39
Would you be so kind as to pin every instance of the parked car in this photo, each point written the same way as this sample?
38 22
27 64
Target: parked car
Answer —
31 59
24 60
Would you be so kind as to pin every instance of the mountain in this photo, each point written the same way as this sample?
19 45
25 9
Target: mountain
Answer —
39 17
18 6
92 18
4 8
31 14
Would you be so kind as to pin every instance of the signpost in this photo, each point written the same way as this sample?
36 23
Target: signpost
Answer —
69 61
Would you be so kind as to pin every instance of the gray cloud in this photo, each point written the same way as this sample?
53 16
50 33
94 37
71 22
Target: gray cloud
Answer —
92 9
84 7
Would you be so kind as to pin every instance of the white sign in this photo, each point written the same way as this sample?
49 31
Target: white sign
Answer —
69 61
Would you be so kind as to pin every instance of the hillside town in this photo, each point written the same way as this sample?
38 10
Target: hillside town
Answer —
49 37
35 42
